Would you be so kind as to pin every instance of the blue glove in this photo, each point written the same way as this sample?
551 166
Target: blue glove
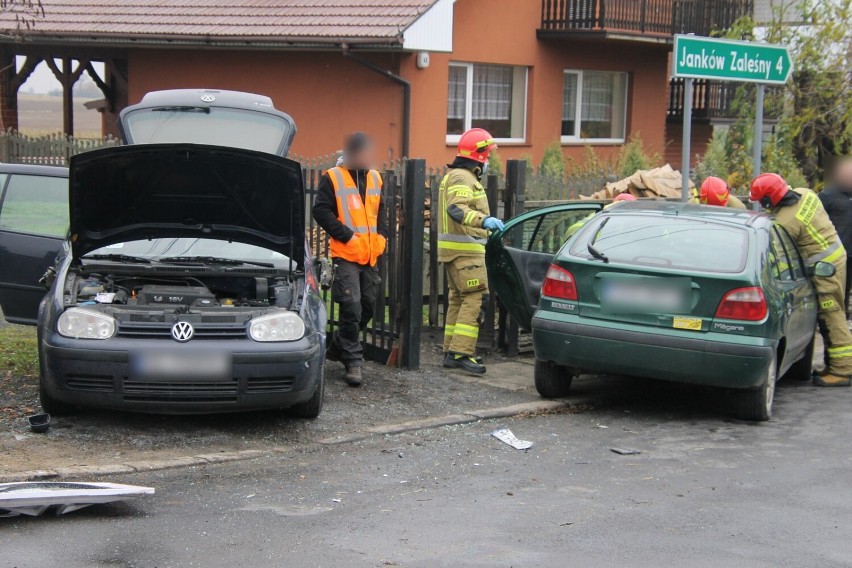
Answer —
492 224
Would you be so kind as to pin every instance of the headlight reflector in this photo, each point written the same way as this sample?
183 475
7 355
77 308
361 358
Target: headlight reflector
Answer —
81 323
284 326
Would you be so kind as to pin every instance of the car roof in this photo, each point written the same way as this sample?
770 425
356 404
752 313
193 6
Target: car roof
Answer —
725 215
33 170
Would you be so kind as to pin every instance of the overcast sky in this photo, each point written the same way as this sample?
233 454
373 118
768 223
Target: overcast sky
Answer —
42 79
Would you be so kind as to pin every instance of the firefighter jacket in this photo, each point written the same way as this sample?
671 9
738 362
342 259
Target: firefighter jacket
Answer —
361 215
462 207
808 223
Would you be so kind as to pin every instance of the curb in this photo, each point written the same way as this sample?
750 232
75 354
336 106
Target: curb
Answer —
536 407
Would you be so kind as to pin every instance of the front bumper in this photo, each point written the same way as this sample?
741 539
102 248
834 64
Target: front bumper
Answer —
606 347
98 374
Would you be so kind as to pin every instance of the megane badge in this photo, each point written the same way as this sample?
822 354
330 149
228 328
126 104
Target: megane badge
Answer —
182 331
208 98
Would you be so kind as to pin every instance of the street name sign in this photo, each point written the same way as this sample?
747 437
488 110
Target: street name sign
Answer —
742 61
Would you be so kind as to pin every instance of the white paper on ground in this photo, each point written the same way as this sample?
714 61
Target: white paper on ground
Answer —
506 435
34 497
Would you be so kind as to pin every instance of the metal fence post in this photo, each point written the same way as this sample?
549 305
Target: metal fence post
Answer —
513 203
414 194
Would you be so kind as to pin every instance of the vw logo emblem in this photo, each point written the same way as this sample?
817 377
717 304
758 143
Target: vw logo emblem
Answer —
182 331
208 98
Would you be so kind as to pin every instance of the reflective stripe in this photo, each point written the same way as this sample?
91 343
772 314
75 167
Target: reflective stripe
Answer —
471 215
456 188
837 352
343 192
466 330
832 253
463 247
819 239
452 237
377 183
478 194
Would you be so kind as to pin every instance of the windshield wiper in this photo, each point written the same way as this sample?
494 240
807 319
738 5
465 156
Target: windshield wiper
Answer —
117 258
204 109
597 254
210 260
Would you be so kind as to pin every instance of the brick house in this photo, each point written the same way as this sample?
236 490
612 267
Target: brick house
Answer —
413 73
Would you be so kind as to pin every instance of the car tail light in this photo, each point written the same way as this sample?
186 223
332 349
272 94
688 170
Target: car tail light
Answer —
747 304
559 283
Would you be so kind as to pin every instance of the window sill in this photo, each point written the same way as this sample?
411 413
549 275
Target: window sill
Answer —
592 141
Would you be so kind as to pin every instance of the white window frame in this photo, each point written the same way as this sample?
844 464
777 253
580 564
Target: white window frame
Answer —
578 112
468 101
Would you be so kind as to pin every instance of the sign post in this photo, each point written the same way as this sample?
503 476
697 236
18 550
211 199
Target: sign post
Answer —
727 60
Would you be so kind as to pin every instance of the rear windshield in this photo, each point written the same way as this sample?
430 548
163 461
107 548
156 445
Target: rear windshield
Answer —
216 126
670 242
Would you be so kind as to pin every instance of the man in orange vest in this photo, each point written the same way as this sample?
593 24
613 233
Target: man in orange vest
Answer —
349 207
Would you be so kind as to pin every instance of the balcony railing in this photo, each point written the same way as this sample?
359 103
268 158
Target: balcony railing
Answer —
711 100
661 18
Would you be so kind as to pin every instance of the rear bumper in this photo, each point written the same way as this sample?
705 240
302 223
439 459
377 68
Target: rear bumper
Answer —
709 359
98 374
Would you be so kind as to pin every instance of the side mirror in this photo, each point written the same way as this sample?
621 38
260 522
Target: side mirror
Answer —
823 270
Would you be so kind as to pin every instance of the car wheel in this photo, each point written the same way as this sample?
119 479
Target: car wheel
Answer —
804 367
552 380
756 404
311 408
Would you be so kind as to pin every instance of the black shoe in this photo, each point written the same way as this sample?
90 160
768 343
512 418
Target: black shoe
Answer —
353 376
448 360
464 362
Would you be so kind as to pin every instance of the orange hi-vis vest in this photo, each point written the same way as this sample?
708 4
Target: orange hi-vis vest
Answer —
360 215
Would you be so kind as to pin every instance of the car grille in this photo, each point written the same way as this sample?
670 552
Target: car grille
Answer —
141 391
92 383
269 384
160 330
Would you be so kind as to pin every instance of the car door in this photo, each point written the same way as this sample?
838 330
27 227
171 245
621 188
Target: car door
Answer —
800 300
518 256
33 228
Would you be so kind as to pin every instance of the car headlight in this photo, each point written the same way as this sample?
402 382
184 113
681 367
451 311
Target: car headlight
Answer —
284 326
80 323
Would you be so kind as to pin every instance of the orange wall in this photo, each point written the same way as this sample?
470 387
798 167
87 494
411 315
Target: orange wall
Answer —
329 95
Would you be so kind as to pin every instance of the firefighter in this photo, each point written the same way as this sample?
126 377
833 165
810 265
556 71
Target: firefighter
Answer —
715 191
349 207
801 214
464 221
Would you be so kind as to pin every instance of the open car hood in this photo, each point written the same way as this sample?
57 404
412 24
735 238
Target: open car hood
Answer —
186 190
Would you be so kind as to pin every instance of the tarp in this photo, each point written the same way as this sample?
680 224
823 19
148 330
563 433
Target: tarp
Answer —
664 182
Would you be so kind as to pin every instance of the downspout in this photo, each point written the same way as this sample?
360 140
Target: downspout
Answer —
406 94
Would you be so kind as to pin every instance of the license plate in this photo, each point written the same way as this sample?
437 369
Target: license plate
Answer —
644 296
185 365
692 324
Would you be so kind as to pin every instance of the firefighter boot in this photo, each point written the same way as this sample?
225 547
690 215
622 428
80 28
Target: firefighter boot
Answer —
464 362
832 381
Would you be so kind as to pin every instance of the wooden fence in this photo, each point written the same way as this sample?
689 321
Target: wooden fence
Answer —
49 150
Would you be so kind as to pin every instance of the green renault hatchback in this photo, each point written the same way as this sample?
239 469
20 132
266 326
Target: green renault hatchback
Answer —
688 293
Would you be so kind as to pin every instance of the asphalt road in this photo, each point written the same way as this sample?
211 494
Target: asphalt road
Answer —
705 491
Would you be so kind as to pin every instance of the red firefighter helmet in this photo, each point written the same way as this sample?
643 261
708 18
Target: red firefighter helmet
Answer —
476 144
624 197
714 191
768 190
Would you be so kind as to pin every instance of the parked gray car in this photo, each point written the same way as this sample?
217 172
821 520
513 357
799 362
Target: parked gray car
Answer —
186 284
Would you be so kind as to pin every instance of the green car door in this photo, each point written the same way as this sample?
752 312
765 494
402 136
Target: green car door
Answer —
518 256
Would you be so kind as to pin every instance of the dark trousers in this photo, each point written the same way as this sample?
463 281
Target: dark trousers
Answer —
354 289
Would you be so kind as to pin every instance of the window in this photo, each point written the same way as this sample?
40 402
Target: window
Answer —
492 97
545 233
37 205
792 259
594 106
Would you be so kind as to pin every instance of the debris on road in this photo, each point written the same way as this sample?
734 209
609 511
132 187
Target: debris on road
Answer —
505 435
33 498
39 423
625 451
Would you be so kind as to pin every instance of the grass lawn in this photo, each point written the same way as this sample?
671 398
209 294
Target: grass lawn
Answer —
18 372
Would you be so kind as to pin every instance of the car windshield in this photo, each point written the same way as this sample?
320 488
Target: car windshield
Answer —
670 242
185 249
215 126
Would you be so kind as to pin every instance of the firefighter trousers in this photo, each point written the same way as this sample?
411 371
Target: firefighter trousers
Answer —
832 321
468 284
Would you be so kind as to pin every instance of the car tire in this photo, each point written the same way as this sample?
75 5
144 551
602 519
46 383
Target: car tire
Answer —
802 370
756 405
312 407
552 380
